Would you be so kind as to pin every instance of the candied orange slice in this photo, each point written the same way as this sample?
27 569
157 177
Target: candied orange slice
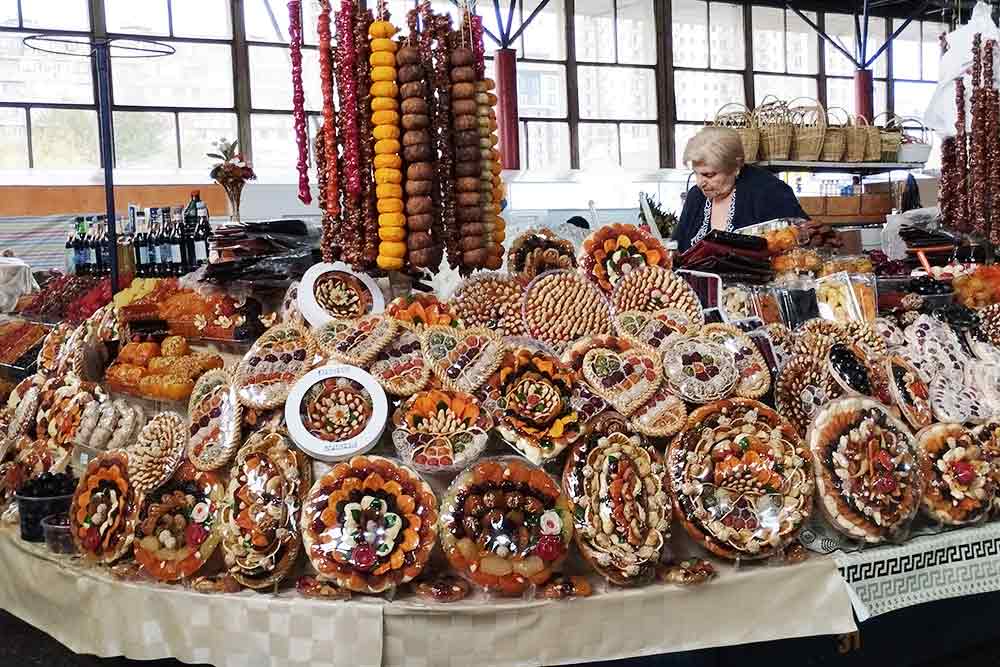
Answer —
410 539
405 504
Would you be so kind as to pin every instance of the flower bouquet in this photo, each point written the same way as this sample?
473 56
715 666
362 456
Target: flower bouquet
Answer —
232 173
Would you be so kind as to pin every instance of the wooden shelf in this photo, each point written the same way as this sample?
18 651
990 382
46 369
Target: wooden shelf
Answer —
865 168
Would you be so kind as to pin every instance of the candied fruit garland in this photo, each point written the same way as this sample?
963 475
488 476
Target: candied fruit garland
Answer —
505 525
369 524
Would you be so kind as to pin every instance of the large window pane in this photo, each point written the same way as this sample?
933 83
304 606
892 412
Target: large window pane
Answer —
911 99
841 28
138 18
56 14
271 79
198 131
683 134
690 33
8 13
906 51
617 92
273 141
29 75
700 94
768 39
840 93
198 75
636 32
537 40
728 47
640 146
203 18
932 49
64 139
876 38
784 88
545 146
595 31
801 45
145 140
13 139
541 90
599 145
266 20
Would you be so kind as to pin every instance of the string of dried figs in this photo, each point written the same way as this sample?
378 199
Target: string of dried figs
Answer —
418 152
468 163
386 132
489 175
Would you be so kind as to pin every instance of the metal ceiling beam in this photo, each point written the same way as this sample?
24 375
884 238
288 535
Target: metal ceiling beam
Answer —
819 31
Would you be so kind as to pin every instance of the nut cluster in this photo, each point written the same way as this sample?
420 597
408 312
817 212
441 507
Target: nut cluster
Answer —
562 306
492 301
338 414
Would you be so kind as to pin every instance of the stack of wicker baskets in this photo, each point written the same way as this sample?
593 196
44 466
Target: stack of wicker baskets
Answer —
740 119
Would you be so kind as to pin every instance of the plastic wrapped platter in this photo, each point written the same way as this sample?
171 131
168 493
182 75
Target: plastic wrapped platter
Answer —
909 393
180 524
493 301
505 525
655 288
336 412
803 386
261 516
355 342
560 307
461 359
987 436
400 366
699 371
754 375
624 375
661 416
618 487
539 250
418 310
867 478
158 451
613 251
888 331
741 478
369 524
954 402
533 396
334 291
440 431
281 356
960 487
216 416
654 329
104 509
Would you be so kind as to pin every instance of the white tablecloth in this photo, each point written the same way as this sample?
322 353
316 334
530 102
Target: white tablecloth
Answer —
90 612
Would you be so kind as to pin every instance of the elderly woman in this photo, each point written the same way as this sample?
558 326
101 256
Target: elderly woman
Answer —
729 194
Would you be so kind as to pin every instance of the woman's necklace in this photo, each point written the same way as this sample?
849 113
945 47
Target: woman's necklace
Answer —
706 223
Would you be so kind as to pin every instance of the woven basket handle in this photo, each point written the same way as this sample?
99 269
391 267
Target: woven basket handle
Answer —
924 133
861 121
840 112
737 108
889 119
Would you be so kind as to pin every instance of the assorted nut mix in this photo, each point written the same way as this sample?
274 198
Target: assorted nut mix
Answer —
342 295
157 452
336 409
493 301
655 288
560 307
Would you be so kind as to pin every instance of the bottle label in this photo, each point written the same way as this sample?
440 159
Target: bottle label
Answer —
143 255
175 254
201 252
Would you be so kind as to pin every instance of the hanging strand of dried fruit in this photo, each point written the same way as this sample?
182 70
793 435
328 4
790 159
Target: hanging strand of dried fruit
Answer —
386 134
331 192
992 145
493 225
367 221
299 98
430 257
442 135
979 139
418 151
328 243
344 239
468 160
946 185
961 181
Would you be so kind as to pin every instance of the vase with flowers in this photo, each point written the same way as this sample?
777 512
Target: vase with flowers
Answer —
232 173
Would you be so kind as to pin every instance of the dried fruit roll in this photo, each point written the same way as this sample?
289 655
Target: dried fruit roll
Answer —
386 135
299 98
347 91
468 163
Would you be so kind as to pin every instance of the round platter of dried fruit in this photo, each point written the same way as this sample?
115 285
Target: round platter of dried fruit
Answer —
336 412
334 291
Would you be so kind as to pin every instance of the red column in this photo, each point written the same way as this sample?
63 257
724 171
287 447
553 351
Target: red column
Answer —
505 61
863 105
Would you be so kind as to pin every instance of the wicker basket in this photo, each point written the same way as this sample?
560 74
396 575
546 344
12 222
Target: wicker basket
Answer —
835 140
873 141
890 137
775 126
737 117
914 149
856 139
808 129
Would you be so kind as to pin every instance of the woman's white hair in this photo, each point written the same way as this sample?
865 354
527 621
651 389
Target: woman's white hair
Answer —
717 147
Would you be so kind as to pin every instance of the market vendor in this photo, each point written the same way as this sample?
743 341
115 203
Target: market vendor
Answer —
729 194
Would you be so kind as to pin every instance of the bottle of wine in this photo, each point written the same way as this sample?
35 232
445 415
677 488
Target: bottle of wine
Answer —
95 247
125 253
177 254
141 257
202 235
69 255
79 250
188 229
164 256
